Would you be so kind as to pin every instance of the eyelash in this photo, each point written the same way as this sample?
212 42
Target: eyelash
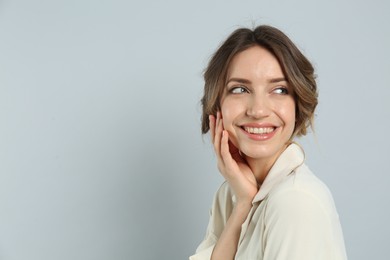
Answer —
242 88
284 89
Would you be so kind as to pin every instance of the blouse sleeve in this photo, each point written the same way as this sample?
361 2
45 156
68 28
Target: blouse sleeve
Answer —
205 249
221 209
300 226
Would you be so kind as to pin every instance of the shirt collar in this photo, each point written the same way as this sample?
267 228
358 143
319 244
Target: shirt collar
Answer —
291 158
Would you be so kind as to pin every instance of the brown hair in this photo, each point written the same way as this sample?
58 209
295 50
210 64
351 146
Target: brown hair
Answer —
297 69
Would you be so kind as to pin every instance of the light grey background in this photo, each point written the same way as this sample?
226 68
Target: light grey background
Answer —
101 155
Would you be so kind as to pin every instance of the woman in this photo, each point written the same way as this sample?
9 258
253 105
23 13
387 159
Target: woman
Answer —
260 93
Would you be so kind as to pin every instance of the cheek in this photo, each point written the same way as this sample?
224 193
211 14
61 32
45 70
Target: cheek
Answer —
226 119
225 112
228 111
287 112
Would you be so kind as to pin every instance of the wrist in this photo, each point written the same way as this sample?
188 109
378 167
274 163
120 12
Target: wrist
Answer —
242 206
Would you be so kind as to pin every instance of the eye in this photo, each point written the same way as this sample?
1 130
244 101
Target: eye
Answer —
238 90
281 91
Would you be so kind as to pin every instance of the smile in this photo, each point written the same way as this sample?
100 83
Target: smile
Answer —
259 130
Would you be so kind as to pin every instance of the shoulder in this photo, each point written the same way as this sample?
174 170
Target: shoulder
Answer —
301 221
220 210
223 202
302 194
224 189
224 197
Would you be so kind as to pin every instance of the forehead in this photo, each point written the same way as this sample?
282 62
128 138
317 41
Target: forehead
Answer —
255 62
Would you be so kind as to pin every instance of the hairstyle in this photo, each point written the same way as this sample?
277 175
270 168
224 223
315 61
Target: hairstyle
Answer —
298 71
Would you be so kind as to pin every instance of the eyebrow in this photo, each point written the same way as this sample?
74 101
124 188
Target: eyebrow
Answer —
239 80
276 80
246 81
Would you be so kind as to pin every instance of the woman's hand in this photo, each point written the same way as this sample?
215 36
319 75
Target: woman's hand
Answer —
232 166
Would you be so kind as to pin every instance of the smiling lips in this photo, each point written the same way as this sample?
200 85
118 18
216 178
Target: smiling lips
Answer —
259 130
259 133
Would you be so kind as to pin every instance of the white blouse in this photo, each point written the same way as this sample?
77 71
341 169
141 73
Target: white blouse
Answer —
293 217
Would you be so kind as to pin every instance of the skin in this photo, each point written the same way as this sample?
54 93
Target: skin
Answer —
256 95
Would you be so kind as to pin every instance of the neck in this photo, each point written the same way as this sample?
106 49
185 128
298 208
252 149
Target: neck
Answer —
261 166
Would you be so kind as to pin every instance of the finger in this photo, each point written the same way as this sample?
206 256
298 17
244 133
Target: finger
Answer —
225 152
218 135
219 124
235 152
232 171
212 127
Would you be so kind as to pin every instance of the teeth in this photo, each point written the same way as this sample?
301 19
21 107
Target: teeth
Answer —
262 130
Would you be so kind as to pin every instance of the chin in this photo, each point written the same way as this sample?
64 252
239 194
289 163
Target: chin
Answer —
262 151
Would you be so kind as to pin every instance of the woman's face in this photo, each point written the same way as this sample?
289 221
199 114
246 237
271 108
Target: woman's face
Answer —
257 106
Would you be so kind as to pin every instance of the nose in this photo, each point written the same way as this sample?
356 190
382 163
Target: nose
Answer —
258 107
